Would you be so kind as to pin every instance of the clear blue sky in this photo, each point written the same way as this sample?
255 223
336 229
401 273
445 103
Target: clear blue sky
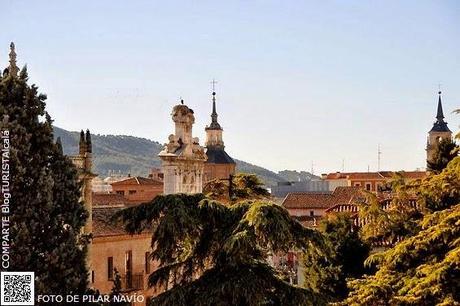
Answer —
299 81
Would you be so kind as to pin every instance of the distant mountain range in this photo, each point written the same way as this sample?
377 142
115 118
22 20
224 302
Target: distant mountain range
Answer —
135 155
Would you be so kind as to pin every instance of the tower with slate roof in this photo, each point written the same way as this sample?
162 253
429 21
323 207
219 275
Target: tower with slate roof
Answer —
219 164
439 131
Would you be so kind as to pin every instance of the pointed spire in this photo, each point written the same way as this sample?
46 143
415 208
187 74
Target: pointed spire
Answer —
214 112
89 146
214 124
440 114
13 68
82 136
440 125
82 143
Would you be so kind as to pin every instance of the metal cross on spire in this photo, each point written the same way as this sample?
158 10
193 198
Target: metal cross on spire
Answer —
213 83
214 123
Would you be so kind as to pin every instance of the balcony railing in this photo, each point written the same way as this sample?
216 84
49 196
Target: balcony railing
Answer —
130 282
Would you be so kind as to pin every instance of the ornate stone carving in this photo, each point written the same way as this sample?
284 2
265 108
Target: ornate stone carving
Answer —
182 155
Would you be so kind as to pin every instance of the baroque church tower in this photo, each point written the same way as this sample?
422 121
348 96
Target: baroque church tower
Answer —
219 164
438 132
183 158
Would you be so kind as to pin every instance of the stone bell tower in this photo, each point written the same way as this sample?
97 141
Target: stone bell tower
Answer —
438 132
219 164
214 130
83 162
183 158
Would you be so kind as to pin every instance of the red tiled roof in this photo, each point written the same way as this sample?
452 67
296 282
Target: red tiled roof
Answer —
104 226
138 180
413 175
384 199
346 194
382 175
368 176
336 176
109 199
307 200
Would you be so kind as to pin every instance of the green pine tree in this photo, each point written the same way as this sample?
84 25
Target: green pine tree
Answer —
244 186
457 136
446 151
400 219
46 213
215 254
423 269
327 274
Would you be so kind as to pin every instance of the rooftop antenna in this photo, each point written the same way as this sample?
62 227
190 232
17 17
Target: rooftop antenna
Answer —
343 164
379 153
312 171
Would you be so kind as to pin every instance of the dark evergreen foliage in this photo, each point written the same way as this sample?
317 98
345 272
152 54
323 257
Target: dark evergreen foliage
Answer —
327 274
213 254
397 221
424 268
244 186
446 151
438 192
46 213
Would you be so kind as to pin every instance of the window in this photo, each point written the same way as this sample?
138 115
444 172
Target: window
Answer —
312 213
132 191
120 192
128 261
92 276
110 268
368 186
357 184
147 262
129 268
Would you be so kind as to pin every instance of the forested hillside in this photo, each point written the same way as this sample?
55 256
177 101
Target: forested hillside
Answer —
135 155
